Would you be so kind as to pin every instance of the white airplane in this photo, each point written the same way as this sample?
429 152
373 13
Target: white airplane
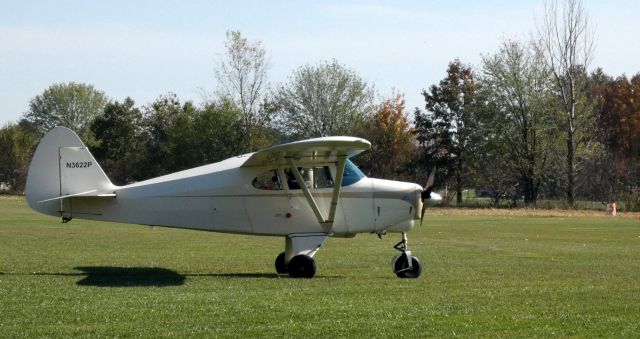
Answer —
305 191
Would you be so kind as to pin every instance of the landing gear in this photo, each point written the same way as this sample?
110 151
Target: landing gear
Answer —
281 266
299 249
302 266
404 264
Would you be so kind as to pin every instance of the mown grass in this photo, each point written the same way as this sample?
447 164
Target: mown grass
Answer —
483 276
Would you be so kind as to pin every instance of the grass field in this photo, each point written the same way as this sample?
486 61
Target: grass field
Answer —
485 275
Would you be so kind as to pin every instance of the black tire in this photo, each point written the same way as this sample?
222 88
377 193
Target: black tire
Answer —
302 266
281 267
401 265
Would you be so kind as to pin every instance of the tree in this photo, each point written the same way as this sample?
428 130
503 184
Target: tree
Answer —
119 146
391 138
242 80
518 132
323 100
72 105
566 40
17 145
169 136
447 131
217 131
619 120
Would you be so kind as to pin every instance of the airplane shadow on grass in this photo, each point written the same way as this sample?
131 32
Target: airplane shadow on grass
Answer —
110 276
107 276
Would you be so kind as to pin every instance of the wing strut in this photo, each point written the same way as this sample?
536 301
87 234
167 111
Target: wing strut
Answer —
327 223
337 185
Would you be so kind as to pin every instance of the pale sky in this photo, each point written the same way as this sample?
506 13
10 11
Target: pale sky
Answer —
143 49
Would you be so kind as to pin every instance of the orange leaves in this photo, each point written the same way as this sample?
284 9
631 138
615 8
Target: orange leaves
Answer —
391 136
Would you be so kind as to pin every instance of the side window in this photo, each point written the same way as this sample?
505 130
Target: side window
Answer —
267 181
291 179
314 177
322 177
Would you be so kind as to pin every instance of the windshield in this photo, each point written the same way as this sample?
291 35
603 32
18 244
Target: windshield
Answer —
352 174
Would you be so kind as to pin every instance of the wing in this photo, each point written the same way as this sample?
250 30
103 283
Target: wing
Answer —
319 150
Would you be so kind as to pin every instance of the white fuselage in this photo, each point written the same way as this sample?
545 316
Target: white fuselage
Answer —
220 197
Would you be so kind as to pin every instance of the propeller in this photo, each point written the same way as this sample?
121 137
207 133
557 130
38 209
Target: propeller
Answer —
426 193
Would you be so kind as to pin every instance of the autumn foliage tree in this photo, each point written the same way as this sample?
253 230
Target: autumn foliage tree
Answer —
620 126
621 116
391 138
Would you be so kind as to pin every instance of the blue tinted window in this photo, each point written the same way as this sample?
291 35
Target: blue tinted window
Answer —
352 174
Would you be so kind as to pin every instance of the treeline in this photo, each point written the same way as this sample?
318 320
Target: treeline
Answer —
529 122
500 130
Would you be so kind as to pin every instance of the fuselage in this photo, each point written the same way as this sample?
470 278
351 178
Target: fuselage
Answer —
226 197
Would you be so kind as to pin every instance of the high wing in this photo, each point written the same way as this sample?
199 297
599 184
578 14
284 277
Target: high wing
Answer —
319 150
311 151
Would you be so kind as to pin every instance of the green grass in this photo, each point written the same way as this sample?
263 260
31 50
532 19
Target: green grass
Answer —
482 277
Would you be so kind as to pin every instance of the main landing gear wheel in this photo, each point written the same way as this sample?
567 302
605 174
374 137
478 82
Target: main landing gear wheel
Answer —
302 266
404 264
281 267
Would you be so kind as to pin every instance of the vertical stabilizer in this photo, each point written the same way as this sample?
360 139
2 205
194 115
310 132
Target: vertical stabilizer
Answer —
62 166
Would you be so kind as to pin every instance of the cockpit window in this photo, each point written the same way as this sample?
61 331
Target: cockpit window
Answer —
268 181
314 177
352 174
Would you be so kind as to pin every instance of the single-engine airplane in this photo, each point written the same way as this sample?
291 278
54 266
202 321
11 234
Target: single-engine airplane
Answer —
304 191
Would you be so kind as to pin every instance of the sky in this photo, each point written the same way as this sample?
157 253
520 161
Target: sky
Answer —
144 48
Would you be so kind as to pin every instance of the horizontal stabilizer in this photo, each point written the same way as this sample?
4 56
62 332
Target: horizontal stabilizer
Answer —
92 193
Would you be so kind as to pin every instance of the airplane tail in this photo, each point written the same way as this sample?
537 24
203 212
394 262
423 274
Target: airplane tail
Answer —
62 167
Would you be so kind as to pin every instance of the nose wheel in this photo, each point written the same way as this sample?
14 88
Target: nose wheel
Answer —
404 264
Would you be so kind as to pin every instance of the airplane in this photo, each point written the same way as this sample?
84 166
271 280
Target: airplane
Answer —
305 191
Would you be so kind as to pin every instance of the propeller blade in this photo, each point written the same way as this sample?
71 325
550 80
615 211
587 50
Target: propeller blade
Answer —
426 193
430 181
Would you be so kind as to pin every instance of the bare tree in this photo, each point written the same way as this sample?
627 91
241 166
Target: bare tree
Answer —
567 41
242 80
